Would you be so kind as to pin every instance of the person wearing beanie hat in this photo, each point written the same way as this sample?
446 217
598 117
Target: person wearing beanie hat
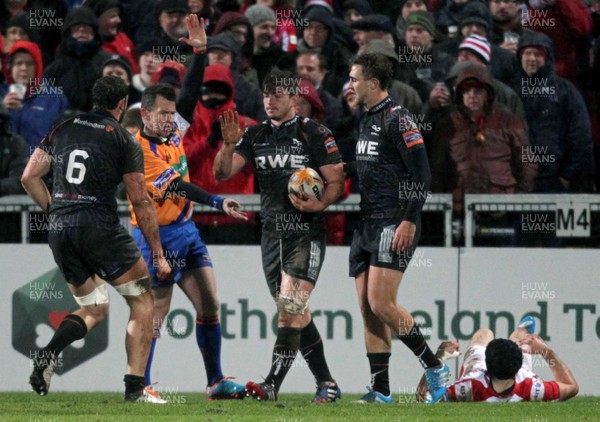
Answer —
423 19
114 41
117 66
320 35
236 24
258 14
474 53
79 63
476 45
264 26
327 4
421 65
448 18
372 27
149 59
475 19
18 28
319 28
406 8
354 10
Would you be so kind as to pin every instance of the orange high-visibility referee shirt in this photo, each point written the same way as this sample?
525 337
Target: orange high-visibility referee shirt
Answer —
164 162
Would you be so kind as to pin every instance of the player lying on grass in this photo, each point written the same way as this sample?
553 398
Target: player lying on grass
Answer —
500 370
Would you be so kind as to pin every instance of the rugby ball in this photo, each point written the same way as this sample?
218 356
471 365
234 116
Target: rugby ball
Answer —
306 182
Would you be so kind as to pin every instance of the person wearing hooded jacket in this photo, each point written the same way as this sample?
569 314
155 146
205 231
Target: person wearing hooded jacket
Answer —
568 23
559 124
202 143
114 41
33 115
78 65
479 148
321 35
224 49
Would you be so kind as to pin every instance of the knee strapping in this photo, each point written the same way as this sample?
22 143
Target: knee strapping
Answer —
134 287
98 296
291 305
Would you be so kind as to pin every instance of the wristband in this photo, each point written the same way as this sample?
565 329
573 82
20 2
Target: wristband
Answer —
216 201
196 51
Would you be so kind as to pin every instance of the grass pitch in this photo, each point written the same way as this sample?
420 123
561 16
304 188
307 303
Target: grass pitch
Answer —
59 407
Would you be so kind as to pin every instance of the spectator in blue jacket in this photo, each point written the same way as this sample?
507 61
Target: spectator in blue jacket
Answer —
559 124
40 100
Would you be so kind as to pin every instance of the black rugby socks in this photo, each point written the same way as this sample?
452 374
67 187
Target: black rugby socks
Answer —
311 347
415 341
380 376
284 352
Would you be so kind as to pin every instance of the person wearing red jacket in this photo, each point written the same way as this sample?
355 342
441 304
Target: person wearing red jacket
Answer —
202 142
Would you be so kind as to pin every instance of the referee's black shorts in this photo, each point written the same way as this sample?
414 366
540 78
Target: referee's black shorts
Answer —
301 256
81 252
372 246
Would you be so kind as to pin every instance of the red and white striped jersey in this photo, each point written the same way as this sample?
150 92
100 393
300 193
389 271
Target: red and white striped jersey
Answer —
477 386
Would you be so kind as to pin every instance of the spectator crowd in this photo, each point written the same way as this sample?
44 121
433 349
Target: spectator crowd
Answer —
505 92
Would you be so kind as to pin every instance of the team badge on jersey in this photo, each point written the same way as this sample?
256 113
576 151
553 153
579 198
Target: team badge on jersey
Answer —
412 138
330 145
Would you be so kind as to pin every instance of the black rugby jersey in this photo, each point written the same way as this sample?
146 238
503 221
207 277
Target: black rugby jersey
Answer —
90 154
277 152
391 163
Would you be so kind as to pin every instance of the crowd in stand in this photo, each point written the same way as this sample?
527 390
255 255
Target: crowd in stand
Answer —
505 92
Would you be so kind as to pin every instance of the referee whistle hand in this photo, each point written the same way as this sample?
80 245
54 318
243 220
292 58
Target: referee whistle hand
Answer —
403 238
164 270
232 208
306 204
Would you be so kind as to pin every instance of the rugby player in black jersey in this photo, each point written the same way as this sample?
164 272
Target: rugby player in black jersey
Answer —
394 179
293 233
91 153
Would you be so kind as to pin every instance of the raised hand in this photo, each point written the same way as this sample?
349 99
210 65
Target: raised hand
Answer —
231 129
196 32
